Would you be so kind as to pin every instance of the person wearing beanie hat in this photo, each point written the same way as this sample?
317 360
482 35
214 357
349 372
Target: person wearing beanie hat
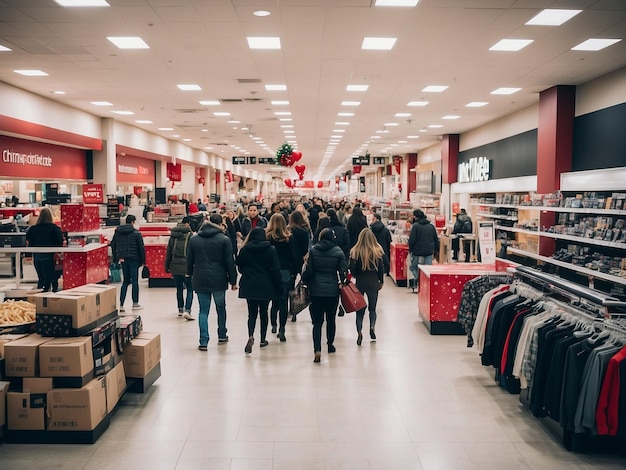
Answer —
423 243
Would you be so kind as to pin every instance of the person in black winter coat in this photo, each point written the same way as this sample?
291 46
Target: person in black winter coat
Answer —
211 264
45 233
325 268
260 281
176 263
355 224
342 237
423 243
301 237
128 249
462 225
322 223
383 237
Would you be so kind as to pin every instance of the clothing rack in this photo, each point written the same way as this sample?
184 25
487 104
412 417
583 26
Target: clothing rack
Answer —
612 306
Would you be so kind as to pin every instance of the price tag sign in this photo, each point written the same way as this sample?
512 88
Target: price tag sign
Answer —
487 241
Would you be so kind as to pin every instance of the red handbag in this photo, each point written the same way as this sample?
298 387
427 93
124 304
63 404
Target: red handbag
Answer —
351 297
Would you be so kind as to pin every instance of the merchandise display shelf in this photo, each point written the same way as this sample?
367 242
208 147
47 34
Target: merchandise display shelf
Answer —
496 216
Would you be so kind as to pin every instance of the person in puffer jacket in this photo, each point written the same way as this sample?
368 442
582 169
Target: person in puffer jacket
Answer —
176 263
128 249
211 264
325 268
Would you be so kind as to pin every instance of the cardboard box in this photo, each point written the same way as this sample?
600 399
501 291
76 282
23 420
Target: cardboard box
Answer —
26 411
4 339
77 409
38 385
142 354
103 358
4 388
22 356
66 357
106 296
116 385
79 307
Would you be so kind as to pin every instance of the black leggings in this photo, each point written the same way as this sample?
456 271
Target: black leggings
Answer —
257 307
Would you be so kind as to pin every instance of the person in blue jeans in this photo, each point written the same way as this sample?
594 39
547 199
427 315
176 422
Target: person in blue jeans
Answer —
423 244
211 264
128 249
176 263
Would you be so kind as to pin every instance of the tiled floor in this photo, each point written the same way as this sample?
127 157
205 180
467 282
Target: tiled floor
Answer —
407 401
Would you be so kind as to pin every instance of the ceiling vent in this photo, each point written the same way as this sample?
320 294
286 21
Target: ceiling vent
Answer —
231 100
189 110
249 80
254 100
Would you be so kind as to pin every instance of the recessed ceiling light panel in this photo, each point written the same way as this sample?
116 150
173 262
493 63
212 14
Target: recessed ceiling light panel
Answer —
259 42
209 102
505 91
510 45
276 87
189 87
4 48
378 44
396 3
595 44
357 87
417 103
128 42
32 73
552 17
476 104
82 3
434 88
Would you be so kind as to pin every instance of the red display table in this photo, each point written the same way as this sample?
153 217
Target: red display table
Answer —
155 239
440 291
397 259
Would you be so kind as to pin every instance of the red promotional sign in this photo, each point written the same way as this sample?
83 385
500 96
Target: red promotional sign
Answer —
37 160
174 171
134 170
137 190
93 193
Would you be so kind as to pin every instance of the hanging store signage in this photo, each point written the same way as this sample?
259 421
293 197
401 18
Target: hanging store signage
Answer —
132 169
475 170
380 160
93 193
363 160
266 161
361 184
243 160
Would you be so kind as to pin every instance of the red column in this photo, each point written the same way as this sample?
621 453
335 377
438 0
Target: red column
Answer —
449 158
411 176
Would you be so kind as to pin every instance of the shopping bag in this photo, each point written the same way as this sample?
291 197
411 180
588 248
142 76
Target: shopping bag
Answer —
299 298
145 272
351 298
116 272
58 261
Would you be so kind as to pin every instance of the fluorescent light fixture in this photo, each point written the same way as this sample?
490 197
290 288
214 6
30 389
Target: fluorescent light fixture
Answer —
402 115
285 120
422 130
220 114
4 48
385 131
276 87
280 103
263 42
345 114
82 3
378 44
261 13
58 92
476 104
434 88
339 130
342 123
32 73
143 121
451 117
412 136
232 121
357 87
336 136
417 103
282 113
123 113
505 91
101 103
435 126
391 124
189 87
208 148
186 140
510 45
209 102
396 3
166 128
552 17
393 145
595 44
289 132
350 103
128 42
176 135
402 142
287 126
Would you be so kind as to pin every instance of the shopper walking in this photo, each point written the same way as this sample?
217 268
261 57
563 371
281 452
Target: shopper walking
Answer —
342 237
211 264
260 281
325 268
252 220
301 237
367 266
128 249
45 233
281 238
355 224
176 263
383 237
423 243
463 224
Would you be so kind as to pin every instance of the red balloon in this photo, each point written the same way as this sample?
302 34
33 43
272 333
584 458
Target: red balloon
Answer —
296 156
300 176
288 183
300 168
320 184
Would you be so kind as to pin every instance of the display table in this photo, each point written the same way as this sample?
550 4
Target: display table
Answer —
398 264
156 238
440 291
81 264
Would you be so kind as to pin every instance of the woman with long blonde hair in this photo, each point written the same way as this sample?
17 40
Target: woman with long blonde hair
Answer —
279 235
367 266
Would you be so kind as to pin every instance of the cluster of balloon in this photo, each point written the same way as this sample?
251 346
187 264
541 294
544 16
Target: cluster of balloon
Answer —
300 169
288 182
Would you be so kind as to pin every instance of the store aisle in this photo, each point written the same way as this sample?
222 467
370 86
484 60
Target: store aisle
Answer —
406 401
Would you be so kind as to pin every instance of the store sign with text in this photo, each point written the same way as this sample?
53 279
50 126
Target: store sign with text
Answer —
93 193
132 169
37 160
475 170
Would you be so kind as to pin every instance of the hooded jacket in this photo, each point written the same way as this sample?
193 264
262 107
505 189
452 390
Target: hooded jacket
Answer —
326 262
342 236
246 225
260 271
210 260
423 240
383 236
177 247
127 243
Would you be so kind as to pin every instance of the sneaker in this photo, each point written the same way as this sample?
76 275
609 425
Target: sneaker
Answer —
180 312
137 307
202 348
222 340
187 316
122 309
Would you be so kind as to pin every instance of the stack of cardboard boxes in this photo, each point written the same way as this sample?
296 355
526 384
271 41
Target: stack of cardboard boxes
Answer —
70 375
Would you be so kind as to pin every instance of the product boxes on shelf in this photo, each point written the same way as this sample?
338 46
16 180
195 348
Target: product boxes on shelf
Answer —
4 339
22 356
79 217
142 354
105 297
77 409
116 385
82 240
26 411
4 388
68 360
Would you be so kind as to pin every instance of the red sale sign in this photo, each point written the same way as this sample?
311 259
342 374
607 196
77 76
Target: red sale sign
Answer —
93 194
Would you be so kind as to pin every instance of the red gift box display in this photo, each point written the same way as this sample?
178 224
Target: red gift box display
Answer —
79 217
